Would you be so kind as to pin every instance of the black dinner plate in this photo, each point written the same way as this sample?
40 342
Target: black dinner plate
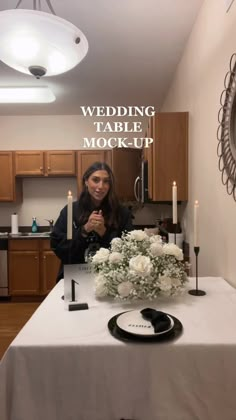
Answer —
125 336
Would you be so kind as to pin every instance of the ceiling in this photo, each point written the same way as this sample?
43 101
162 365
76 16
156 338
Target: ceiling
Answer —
134 48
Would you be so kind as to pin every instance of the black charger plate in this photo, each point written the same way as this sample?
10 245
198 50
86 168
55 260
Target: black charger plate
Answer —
125 336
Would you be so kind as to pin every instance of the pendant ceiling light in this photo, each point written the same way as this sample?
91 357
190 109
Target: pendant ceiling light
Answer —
39 43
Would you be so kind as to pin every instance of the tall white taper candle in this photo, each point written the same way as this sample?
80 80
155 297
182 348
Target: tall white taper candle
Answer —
174 204
69 215
196 224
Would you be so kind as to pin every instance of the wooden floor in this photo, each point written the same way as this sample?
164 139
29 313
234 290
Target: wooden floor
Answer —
13 317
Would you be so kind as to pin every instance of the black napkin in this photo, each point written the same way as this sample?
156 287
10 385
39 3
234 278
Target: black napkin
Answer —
159 320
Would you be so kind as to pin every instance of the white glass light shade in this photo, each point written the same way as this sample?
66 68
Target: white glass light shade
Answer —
24 95
35 38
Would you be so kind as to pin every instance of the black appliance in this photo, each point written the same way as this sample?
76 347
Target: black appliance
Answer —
141 184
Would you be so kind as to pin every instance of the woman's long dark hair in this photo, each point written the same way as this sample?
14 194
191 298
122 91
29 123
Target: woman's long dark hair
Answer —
110 203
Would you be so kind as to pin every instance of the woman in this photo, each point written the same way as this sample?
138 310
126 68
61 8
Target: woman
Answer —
97 218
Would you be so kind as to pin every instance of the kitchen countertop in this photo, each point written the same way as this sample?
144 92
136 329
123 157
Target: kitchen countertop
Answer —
29 235
25 235
25 232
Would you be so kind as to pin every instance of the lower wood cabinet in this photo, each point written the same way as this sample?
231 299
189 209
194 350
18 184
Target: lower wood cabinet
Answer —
33 267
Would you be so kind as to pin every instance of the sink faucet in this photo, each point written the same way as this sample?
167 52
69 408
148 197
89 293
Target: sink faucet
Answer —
50 221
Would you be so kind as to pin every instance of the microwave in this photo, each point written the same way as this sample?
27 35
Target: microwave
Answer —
141 184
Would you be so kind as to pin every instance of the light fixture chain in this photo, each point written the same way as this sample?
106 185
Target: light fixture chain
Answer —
18 4
39 5
50 7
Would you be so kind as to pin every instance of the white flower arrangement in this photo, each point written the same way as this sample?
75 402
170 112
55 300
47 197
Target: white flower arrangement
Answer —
138 266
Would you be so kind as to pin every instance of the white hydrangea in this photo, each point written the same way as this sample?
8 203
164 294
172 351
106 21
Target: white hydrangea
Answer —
115 257
116 244
165 283
172 249
176 282
140 265
101 255
138 235
100 286
156 249
125 288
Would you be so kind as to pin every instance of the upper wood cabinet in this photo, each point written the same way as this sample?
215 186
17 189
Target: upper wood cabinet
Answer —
10 189
168 156
60 162
86 158
48 163
148 155
124 162
29 163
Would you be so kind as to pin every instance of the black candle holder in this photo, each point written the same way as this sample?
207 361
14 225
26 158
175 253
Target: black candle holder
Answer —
73 283
196 292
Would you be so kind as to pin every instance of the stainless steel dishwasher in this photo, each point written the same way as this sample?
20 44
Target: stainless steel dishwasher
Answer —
3 267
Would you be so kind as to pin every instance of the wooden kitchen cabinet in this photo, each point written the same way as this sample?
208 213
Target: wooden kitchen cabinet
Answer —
50 265
168 156
148 156
33 267
29 163
124 162
10 188
60 162
45 163
86 158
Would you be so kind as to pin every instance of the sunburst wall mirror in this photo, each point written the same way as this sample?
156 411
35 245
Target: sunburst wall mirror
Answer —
226 133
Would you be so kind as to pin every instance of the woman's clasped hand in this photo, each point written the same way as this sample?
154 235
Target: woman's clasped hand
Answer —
95 223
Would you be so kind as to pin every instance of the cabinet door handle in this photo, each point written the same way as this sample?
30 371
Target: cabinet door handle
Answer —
44 257
49 169
35 258
41 168
136 182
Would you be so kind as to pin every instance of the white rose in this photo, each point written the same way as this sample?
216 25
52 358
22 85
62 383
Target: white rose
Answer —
172 249
138 235
125 288
116 244
140 265
115 257
156 238
101 255
156 249
100 286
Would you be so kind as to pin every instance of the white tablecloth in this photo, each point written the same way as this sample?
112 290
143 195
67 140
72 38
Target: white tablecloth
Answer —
66 366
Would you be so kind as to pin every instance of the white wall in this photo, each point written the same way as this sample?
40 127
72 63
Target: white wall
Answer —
42 197
54 131
196 88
